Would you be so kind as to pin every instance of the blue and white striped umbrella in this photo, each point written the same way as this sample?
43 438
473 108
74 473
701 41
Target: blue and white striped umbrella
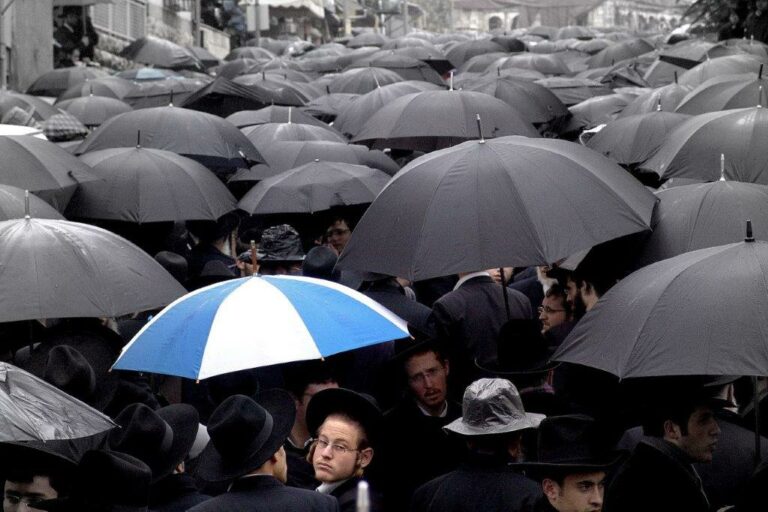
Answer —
257 321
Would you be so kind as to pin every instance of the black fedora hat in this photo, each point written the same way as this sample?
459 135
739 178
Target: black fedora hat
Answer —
37 458
245 434
161 439
214 271
320 262
280 244
571 443
106 482
521 350
358 406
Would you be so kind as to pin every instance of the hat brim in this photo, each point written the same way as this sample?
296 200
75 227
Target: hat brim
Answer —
529 420
214 468
495 369
345 401
539 470
184 421
32 454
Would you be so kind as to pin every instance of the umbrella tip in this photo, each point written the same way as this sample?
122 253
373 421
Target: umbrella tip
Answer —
451 82
749 237
760 73
479 128
722 166
760 97
26 205
317 160
138 139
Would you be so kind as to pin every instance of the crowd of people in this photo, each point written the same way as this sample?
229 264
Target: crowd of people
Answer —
74 37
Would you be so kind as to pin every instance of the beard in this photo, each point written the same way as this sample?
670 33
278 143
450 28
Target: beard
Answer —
578 308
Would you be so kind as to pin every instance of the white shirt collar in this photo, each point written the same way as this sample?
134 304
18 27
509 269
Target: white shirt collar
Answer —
443 411
469 276
328 488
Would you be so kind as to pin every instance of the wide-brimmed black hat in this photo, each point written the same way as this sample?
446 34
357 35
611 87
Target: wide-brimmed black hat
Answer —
320 262
280 244
214 271
358 406
106 482
245 434
521 350
36 458
161 439
571 443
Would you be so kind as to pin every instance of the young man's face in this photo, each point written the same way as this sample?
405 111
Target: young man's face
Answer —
703 431
428 380
579 492
23 495
337 453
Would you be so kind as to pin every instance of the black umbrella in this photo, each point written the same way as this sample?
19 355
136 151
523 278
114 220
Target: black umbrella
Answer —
667 97
328 106
147 74
367 39
94 110
363 80
464 51
249 52
574 32
223 97
204 56
480 63
161 53
408 42
41 167
15 203
661 73
109 87
209 139
408 68
699 313
512 201
694 148
574 90
314 187
142 185
731 65
263 135
690 52
432 120
549 64
352 119
535 102
162 93
435 59
328 64
634 139
595 111
696 216
273 114
61 269
59 80
279 90
620 51
353 56
237 67
726 92
282 156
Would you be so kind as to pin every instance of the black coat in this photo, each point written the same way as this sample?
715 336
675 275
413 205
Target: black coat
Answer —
477 486
655 477
469 320
531 288
175 493
267 494
420 440
301 474
390 294
346 493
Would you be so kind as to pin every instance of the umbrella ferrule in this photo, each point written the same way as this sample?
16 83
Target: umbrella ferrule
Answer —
749 237
26 205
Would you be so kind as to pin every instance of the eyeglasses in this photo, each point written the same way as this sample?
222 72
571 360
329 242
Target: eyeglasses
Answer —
336 232
29 501
336 448
548 310
422 376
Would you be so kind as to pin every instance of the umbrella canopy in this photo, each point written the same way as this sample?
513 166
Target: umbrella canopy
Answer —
315 187
249 52
142 185
263 135
435 60
667 97
408 42
699 313
661 73
480 63
55 82
162 93
511 201
108 86
726 92
32 105
634 139
204 56
574 32
687 53
203 333
694 148
408 68
543 31
353 56
223 97
464 51
282 156
34 410
596 111
210 140
352 118
15 203
237 67
273 114
363 80
620 51
61 269
368 39
64 127
277 89
161 53
41 167
548 64
534 102
147 74
732 65
328 106
574 90
696 216
432 120
94 110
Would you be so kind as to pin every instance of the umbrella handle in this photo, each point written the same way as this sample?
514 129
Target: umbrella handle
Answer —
756 402
254 258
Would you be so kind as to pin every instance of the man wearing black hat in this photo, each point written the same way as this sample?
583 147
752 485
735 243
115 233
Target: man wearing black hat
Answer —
682 429
246 448
346 426
491 425
161 439
214 243
572 465
34 471
280 251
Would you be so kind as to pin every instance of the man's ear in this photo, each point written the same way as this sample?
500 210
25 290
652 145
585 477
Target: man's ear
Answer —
672 431
366 456
550 488
447 365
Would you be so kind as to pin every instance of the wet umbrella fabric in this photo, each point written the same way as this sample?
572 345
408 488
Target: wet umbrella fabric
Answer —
276 89
697 216
299 318
538 200
535 102
328 106
143 185
548 64
363 80
464 51
731 65
59 80
668 97
724 93
574 90
204 56
13 205
433 120
222 97
34 410
161 93
273 114
620 51
161 53
314 187
699 313
41 167
282 156
94 110
480 63
408 68
61 269
147 74
367 39
264 135
249 52
596 111
109 87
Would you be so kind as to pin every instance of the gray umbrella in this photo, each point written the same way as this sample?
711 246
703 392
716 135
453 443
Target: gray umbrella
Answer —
407 67
281 156
699 313
149 185
363 80
272 114
668 97
263 135
94 110
731 65
15 203
314 187
726 92
512 201
34 410
696 216
535 102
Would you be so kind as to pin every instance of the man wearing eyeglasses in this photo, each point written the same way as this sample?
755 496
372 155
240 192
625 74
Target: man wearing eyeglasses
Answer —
33 472
345 424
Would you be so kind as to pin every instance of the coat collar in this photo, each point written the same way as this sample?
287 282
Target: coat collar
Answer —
469 276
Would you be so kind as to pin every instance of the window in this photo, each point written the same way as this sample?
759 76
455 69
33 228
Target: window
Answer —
125 19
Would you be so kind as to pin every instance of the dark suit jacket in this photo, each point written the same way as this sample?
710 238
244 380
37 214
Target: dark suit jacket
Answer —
391 296
531 288
346 493
655 477
175 493
267 494
477 486
469 320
